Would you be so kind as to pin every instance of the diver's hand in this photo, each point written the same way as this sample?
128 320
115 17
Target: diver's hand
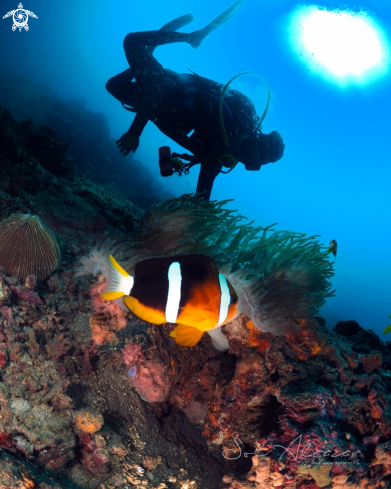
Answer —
127 143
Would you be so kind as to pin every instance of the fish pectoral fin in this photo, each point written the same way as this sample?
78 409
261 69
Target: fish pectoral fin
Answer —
219 340
186 335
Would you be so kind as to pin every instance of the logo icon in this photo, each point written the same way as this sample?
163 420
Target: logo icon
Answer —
20 17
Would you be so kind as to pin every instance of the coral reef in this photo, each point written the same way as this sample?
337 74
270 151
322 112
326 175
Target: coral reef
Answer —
49 360
304 410
85 137
300 410
27 247
71 202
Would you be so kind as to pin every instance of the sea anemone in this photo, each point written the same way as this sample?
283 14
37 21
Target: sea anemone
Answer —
96 261
27 247
280 276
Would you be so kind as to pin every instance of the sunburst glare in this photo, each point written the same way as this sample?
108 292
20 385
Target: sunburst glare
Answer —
341 45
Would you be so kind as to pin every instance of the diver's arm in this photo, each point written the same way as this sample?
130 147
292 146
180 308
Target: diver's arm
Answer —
138 124
129 141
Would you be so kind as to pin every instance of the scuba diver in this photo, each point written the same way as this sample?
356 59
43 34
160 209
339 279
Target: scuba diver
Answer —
189 108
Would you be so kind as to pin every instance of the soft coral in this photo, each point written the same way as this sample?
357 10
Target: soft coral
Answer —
108 316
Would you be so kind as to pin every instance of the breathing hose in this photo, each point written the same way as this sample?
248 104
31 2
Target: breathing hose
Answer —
228 160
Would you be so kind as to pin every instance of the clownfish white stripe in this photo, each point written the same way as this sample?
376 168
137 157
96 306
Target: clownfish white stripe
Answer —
174 292
225 299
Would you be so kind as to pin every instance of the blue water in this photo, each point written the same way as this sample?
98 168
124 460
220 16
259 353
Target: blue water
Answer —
334 179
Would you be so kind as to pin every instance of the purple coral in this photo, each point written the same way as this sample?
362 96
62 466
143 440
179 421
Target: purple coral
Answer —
132 371
27 295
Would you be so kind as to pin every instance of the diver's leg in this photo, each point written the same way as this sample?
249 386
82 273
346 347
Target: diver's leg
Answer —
206 178
174 25
198 36
167 35
138 46
177 23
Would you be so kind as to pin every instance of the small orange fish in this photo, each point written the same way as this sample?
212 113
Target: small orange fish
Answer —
186 290
333 248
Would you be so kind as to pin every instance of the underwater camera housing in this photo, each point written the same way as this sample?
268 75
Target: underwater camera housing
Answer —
165 162
170 163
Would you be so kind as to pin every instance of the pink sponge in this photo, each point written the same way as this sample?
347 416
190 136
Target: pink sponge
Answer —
151 378
131 354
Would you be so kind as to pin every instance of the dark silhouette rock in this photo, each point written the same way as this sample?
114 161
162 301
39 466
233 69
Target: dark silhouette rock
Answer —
347 328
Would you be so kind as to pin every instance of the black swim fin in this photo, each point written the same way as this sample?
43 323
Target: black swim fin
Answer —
178 23
198 36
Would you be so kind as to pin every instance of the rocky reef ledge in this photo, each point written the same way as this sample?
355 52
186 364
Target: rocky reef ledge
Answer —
305 410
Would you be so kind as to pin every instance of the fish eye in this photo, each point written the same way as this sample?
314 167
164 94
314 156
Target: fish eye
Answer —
234 300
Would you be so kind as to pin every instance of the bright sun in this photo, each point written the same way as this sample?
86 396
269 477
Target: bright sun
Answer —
341 45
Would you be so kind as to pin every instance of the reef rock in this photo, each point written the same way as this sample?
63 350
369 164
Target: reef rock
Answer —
65 134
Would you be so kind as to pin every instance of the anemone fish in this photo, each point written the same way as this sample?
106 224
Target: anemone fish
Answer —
388 329
186 290
333 248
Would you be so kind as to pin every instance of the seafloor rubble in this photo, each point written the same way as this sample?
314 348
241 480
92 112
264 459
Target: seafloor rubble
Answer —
91 396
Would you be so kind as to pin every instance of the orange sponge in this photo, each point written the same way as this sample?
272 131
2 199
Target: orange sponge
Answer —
89 423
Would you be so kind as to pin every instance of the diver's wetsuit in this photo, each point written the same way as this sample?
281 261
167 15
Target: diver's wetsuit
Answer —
185 107
184 112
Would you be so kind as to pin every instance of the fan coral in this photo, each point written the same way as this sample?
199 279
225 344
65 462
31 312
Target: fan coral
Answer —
280 276
27 247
